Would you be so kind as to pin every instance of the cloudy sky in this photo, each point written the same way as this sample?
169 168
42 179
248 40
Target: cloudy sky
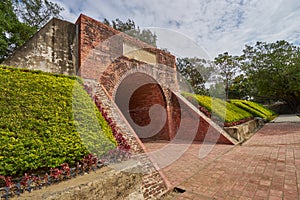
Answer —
200 27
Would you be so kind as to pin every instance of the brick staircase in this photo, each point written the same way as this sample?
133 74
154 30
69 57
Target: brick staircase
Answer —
153 181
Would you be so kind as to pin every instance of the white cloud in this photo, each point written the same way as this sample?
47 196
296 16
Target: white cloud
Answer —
215 25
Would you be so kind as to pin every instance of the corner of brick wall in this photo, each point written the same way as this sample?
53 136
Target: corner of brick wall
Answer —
52 49
100 45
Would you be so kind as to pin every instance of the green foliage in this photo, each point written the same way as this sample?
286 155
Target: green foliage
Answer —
273 69
131 29
47 120
89 123
13 33
240 88
223 110
19 20
195 72
254 108
217 90
227 66
36 13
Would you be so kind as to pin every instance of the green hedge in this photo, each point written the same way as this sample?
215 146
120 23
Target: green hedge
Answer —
254 108
46 120
220 107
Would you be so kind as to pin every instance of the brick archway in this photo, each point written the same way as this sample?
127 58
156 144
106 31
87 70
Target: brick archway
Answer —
109 62
143 103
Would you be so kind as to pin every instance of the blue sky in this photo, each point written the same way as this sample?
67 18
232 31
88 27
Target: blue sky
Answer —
210 26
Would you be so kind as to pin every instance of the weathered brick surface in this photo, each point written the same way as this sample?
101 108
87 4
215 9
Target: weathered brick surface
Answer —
122 83
102 59
135 96
139 108
52 49
98 42
195 126
105 183
153 185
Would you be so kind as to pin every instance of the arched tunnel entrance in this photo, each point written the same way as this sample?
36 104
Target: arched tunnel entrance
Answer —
153 116
143 103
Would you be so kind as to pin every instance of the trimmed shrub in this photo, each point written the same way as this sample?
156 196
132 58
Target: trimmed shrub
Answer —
254 108
47 120
224 111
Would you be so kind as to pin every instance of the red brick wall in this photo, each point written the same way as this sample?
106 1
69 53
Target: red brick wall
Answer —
136 94
175 115
153 185
99 45
140 104
100 58
188 122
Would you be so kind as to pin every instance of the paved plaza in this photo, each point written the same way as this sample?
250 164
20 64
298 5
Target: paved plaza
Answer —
267 166
287 118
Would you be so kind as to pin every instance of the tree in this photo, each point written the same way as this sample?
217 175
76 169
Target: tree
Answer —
240 88
36 13
19 20
13 32
131 29
227 66
274 70
195 72
217 90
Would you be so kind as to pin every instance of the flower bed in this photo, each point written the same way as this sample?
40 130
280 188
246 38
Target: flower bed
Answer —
31 182
27 183
52 130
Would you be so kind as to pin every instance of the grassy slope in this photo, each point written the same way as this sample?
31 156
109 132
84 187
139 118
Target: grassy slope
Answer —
220 108
254 108
235 109
46 120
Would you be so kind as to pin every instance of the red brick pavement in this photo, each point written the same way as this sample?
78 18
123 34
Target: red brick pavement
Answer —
265 167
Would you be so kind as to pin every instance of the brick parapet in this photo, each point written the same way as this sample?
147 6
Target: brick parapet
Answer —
99 45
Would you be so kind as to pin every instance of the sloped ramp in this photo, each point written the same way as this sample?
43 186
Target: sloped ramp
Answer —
207 130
